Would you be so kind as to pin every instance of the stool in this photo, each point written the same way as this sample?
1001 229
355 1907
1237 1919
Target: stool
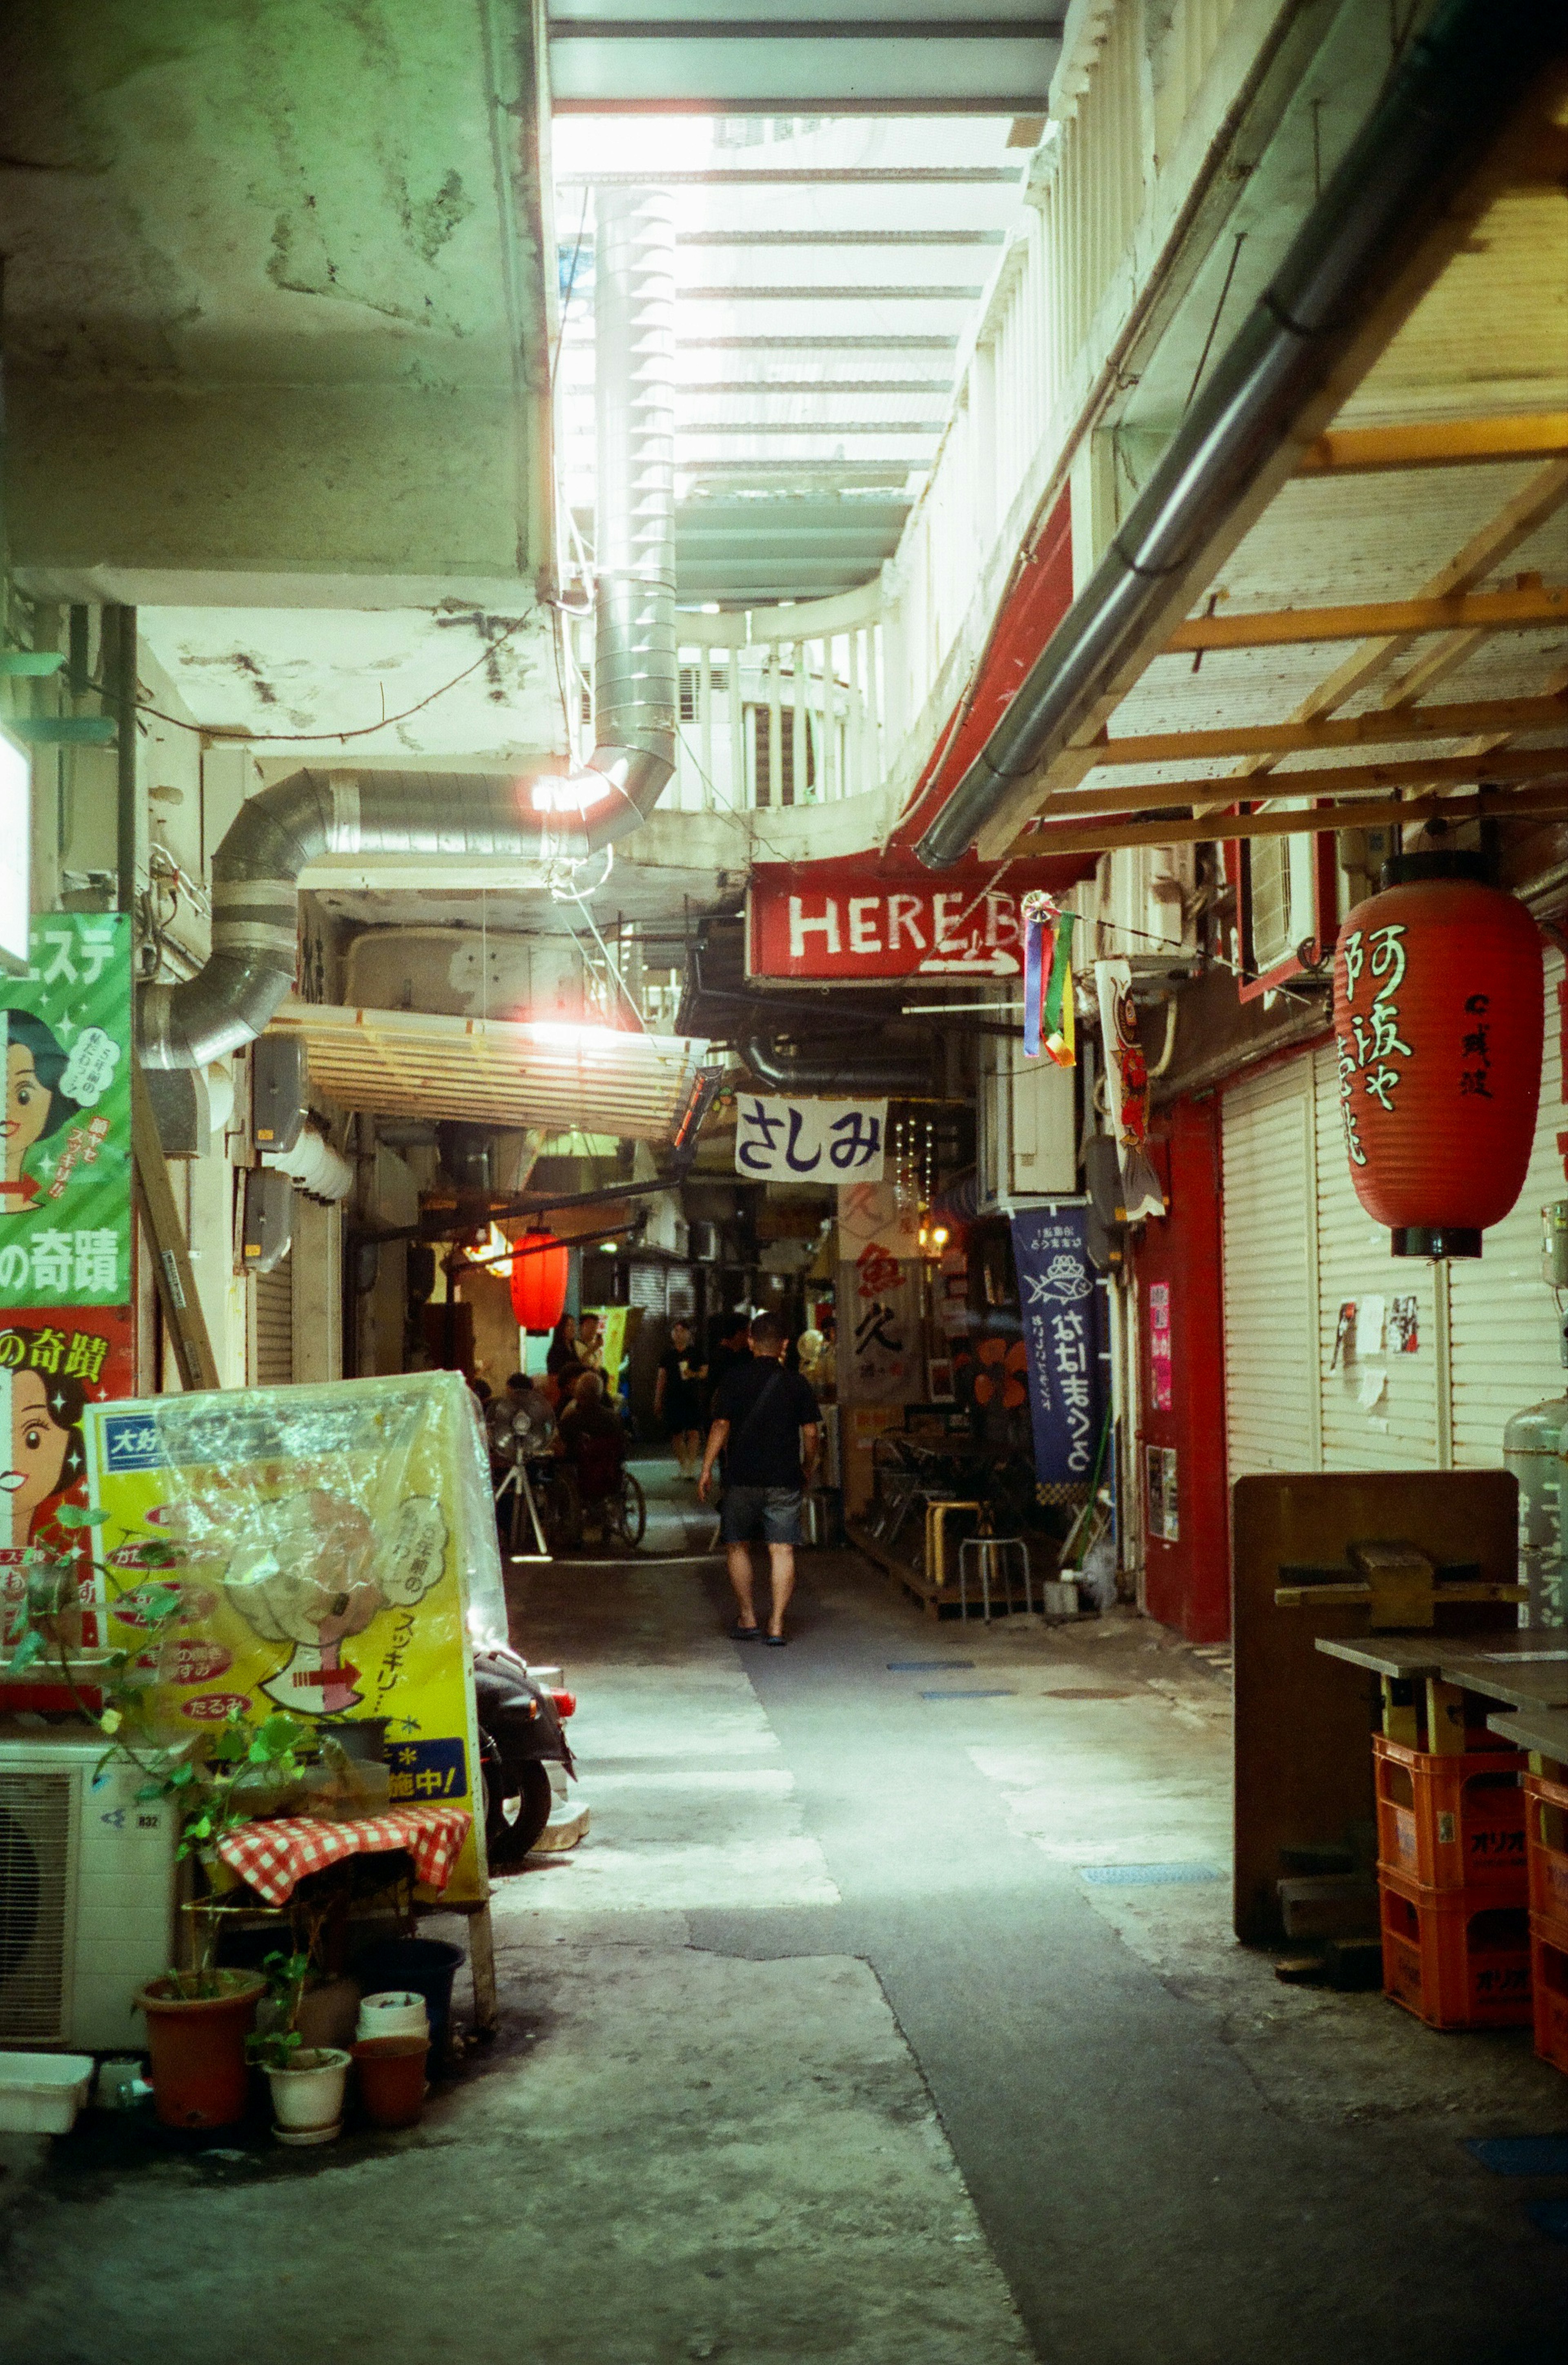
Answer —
992 1562
935 1537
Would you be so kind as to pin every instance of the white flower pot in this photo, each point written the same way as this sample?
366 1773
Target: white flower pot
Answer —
309 2094
397 2012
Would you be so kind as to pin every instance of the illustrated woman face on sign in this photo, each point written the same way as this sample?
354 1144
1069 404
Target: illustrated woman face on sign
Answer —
34 1104
40 1436
309 1569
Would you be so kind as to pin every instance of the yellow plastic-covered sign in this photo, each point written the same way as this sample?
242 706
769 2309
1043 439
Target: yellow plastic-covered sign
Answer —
334 1551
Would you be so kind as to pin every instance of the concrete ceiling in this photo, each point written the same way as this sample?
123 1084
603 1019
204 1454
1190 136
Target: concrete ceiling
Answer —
276 325
482 684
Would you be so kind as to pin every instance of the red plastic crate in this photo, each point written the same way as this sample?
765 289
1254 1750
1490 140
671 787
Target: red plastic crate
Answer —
1452 1823
1546 1854
1548 1978
1455 1958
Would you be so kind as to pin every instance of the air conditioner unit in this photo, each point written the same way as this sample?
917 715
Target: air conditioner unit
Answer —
86 1892
1028 1126
1144 899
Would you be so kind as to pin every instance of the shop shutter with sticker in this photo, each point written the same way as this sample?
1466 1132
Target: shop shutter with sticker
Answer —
1269 1153
271 1357
1381 1393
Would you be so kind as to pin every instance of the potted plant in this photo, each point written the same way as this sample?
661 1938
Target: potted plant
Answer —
306 2080
197 2019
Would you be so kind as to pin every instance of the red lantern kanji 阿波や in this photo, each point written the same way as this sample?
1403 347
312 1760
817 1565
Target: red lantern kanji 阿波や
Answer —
1439 1016
539 1281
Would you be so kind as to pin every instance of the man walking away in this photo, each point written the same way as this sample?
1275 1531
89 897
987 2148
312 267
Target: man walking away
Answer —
764 1416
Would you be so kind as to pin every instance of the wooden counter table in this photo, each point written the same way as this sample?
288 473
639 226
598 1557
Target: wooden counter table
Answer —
1543 1731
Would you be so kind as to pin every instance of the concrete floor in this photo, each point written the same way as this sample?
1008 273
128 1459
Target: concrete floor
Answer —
822 2048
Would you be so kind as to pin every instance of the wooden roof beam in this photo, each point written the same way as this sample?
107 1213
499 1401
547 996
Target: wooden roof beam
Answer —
1345 780
1392 728
1548 802
1480 611
1436 443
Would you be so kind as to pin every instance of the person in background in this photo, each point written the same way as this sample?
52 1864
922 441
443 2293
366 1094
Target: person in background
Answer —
588 1413
731 1346
590 1343
675 1400
765 1423
563 1362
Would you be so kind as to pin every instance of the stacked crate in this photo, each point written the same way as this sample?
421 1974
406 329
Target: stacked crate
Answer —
1546 1856
1452 1885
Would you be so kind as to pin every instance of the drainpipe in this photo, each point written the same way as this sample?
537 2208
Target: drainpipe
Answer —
122 675
530 822
1465 77
829 1071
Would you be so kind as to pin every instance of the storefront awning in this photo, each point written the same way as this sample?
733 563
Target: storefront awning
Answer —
497 1071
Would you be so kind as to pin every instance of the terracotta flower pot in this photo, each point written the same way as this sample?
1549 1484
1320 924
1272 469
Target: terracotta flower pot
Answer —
199 2077
392 2078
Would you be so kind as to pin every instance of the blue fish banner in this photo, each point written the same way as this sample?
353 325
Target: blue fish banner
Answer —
1058 1299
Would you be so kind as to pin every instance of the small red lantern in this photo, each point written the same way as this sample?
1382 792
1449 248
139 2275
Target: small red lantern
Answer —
539 1265
1438 1018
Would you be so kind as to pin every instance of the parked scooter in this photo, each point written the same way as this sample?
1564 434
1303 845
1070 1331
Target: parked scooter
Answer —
521 1733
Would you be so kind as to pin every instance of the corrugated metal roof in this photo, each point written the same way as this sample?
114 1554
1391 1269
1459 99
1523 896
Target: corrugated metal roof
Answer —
497 1071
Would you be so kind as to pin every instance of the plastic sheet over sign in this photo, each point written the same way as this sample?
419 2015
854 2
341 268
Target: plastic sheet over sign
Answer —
333 1549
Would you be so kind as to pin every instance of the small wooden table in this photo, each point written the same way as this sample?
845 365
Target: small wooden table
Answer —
1530 1668
1537 1679
1543 1731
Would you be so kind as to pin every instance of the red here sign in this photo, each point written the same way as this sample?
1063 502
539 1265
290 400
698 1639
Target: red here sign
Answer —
854 920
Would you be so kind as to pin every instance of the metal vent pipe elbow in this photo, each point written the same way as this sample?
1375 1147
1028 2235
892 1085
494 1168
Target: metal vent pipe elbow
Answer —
831 1071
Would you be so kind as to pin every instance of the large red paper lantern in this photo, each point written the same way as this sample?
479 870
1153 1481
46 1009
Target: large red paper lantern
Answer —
539 1281
1439 1016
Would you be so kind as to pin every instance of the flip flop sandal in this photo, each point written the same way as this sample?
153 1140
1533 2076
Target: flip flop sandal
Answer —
744 1633
775 1642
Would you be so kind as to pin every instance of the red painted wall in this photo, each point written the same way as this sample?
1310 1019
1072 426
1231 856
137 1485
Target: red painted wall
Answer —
1188 1580
1038 600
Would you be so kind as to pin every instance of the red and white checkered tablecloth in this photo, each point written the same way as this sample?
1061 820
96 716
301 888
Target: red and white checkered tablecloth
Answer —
273 1856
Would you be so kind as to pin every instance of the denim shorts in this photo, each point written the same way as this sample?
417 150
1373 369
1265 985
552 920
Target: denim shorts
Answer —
775 1509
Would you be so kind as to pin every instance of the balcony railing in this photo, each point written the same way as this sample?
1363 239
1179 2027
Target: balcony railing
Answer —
778 706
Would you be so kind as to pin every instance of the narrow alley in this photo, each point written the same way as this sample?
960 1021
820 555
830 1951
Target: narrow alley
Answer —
823 2047
784 1183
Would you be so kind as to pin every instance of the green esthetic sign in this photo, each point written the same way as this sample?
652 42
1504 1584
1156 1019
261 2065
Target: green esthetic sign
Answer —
65 1131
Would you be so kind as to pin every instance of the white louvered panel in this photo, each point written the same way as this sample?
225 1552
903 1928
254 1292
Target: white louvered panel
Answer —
1268 1311
36 1818
1399 1430
1504 1323
271 1333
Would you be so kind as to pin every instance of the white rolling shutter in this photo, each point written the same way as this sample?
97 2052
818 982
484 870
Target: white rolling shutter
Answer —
1379 1410
272 1326
1503 1323
1269 1311
1298 1246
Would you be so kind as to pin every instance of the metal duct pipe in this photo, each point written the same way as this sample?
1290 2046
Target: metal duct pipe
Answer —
1466 75
528 821
635 684
313 1165
836 1072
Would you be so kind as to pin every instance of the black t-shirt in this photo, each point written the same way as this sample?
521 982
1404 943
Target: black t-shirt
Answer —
722 1360
680 1389
769 1451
